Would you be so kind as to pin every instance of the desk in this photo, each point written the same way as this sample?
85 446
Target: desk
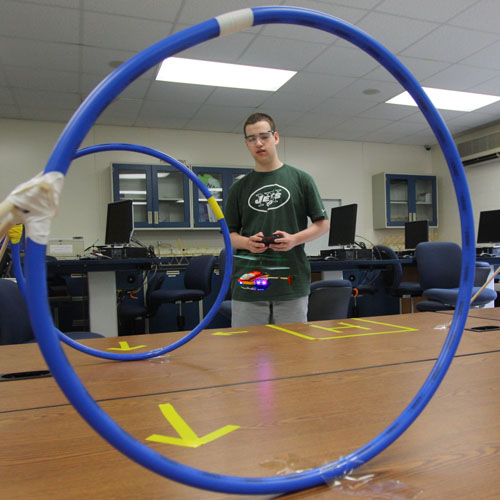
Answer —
299 403
102 287
102 281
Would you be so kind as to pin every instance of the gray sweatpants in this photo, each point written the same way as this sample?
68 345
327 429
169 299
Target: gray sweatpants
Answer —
264 312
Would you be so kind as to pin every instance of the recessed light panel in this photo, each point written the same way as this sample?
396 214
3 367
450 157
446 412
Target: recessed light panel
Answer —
217 74
449 99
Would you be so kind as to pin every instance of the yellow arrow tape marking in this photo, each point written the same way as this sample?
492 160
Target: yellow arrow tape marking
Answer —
187 436
229 333
400 329
124 347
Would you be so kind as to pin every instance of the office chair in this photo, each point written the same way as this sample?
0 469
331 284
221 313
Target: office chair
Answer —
15 326
438 264
329 299
483 270
391 277
129 311
197 285
225 309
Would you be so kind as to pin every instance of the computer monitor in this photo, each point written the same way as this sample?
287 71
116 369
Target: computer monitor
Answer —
489 227
343 225
119 223
416 232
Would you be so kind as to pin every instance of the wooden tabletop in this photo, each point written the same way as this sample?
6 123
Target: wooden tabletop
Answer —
297 401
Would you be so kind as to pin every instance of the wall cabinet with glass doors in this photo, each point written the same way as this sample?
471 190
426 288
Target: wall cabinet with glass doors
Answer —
160 194
401 198
218 180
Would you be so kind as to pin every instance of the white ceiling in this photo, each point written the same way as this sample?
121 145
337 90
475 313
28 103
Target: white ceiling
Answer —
54 52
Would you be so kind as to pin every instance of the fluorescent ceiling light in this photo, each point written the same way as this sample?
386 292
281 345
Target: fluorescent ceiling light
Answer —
238 76
449 99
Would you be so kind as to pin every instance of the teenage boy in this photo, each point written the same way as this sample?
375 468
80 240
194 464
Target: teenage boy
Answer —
275 199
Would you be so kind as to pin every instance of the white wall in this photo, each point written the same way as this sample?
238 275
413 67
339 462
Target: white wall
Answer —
484 184
342 169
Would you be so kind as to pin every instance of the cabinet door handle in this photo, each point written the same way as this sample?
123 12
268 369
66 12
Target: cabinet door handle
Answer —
150 217
156 217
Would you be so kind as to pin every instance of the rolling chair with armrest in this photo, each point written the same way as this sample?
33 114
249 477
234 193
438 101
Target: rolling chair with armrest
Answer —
15 326
391 277
329 299
129 311
439 266
197 285
225 309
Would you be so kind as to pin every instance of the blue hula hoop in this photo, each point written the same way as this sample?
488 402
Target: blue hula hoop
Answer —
220 296
64 150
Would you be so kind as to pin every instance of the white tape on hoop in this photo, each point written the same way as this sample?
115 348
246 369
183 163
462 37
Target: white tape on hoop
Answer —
35 204
235 21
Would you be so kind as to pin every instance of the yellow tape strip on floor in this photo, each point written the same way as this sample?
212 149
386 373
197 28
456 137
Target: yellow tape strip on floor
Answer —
400 329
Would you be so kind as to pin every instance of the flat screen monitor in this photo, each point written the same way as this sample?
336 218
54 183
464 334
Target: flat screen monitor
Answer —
416 232
343 225
119 222
489 227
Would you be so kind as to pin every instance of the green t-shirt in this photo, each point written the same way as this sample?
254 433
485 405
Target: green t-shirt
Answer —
269 201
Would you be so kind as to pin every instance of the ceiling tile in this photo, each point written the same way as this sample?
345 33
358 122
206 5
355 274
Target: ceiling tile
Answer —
316 83
46 99
74 4
194 11
429 10
483 16
161 122
9 111
42 79
344 107
39 22
136 90
488 87
237 97
158 10
96 60
394 33
281 53
222 49
177 92
485 58
343 61
35 54
464 76
389 111
169 109
419 68
51 114
293 102
6 96
120 32
384 90
449 43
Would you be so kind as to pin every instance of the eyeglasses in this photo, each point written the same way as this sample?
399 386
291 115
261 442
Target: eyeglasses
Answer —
263 137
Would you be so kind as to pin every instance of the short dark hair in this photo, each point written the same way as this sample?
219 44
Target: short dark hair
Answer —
259 117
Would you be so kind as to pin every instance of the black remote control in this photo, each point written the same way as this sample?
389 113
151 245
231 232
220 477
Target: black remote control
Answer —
267 240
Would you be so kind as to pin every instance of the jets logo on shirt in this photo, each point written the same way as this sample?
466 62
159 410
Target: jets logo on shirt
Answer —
269 197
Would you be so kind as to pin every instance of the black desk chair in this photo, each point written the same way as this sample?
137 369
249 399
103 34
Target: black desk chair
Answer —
132 310
439 266
197 285
391 277
15 326
329 299
225 309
